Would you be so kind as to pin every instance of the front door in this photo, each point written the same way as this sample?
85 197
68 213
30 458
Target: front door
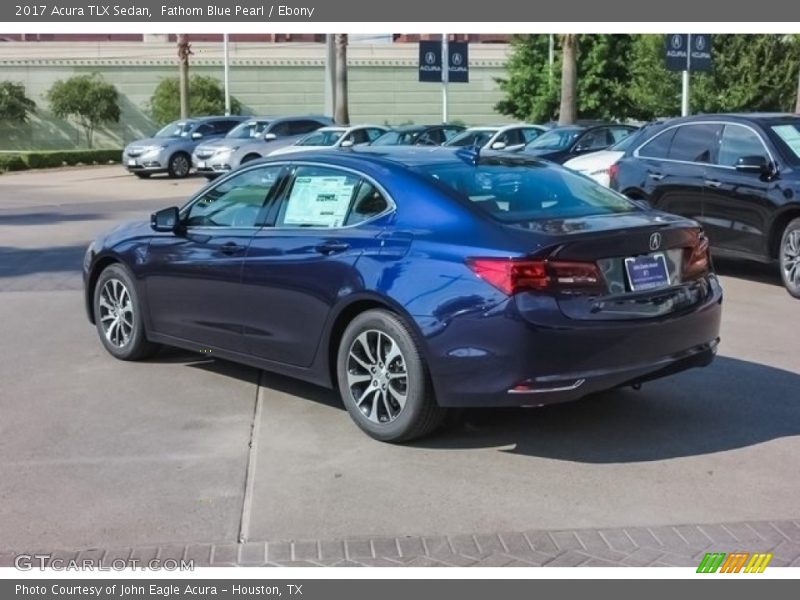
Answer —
193 277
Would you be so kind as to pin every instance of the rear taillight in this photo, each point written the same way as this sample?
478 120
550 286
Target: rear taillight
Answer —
512 275
696 258
612 172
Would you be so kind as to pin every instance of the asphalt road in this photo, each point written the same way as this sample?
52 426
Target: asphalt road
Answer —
98 452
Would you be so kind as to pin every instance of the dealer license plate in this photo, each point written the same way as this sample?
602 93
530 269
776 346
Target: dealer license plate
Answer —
647 272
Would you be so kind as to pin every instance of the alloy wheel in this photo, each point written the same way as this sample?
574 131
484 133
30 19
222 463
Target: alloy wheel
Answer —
377 376
116 312
180 165
791 258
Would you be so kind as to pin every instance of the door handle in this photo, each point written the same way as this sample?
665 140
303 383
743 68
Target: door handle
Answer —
656 176
231 248
714 183
331 247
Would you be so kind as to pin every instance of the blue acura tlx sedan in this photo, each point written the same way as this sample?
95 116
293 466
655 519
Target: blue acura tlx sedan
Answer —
414 280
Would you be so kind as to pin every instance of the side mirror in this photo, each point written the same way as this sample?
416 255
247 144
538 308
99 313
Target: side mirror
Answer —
754 164
499 146
197 135
347 143
268 137
166 219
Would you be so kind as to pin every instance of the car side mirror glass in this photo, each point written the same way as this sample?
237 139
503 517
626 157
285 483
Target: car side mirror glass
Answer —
166 219
197 135
268 137
498 146
347 143
753 164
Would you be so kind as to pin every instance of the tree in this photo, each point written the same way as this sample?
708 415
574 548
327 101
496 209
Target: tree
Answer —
567 112
653 91
532 88
341 109
88 99
15 106
184 50
208 98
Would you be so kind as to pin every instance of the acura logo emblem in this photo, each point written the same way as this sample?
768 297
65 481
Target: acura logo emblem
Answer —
655 241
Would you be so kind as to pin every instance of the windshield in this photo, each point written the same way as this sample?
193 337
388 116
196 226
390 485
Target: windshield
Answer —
397 138
175 129
322 138
555 139
477 137
247 130
789 135
517 193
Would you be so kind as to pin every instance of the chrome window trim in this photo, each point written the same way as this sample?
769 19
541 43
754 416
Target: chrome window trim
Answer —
391 204
689 162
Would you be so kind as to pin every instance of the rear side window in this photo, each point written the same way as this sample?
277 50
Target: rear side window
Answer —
695 143
325 197
738 141
620 133
516 193
659 146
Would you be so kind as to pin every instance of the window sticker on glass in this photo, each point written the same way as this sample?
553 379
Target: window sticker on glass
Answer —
319 201
789 134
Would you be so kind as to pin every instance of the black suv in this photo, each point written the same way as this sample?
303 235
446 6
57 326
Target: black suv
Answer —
568 141
737 174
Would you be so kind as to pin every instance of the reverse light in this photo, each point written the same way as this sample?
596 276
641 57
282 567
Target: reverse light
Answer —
696 258
513 275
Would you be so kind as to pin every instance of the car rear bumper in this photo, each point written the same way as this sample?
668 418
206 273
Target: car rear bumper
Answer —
502 358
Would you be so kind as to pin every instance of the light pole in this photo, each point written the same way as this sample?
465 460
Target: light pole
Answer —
225 59
445 75
685 90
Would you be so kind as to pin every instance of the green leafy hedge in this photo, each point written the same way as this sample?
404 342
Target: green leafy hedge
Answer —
19 161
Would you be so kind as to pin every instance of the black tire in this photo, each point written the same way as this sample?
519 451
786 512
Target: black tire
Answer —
249 158
789 258
143 175
420 414
179 165
135 345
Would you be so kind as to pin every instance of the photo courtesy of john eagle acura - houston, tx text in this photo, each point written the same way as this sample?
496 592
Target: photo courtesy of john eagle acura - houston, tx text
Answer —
415 280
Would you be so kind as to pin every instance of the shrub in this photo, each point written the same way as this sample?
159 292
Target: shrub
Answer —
56 158
206 97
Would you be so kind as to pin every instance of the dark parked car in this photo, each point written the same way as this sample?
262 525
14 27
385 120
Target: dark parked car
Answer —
419 135
563 143
738 175
170 150
414 280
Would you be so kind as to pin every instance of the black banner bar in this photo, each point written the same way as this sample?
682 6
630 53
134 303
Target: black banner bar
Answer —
328 11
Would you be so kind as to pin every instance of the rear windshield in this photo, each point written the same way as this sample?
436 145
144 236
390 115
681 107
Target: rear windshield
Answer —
516 193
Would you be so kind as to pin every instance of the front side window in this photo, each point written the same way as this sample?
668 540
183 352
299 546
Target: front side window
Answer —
738 141
695 143
235 202
527 191
472 138
247 130
597 139
530 133
304 126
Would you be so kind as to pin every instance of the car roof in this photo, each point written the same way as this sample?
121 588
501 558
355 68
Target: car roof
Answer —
277 119
758 117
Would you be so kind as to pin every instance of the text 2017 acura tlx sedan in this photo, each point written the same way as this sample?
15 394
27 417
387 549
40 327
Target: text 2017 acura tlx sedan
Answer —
414 280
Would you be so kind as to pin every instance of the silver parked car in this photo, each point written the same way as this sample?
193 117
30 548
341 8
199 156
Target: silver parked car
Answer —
509 138
253 139
170 150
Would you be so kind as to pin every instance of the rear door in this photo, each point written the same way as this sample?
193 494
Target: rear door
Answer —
736 207
303 261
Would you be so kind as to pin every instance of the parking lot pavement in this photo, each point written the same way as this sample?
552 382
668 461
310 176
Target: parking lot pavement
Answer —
100 453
